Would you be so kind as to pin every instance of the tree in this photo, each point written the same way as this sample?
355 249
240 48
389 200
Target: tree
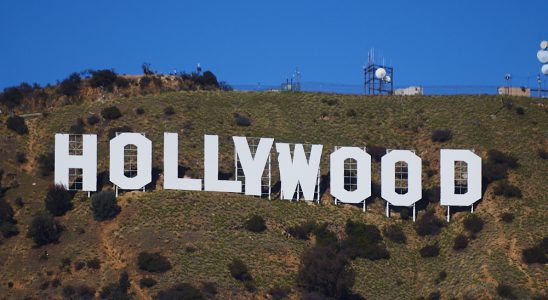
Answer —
71 85
153 262
17 124
103 78
104 206
58 200
325 270
11 97
255 224
44 229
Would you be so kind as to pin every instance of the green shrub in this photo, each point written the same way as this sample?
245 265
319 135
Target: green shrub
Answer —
44 229
111 113
255 224
182 291
168 111
543 154
505 291
147 282
103 78
428 224
537 253
473 223
324 236
104 206
395 234
507 217
498 157
429 251
460 242
121 82
117 290
325 270
441 135
363 241
71 85
58 200
376 152
241 120
17 124
11 97
21 157
505 189
302 231
46 163
520 110
153 262
6 212
93 119
139 110
8 229
93 263
239 270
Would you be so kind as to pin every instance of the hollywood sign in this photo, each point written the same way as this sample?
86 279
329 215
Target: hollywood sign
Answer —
297 172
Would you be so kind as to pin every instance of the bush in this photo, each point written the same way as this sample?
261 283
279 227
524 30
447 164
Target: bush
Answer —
395 234
6 212
542 153
21 157
17 124
208 79
182 291
209 288
58 200
473 223
255 224
505 189
94 263
19 202
243 121
111 113
520 110
376 152
492 172
46 163
112 131
121 82
103 78
498 157
364 241
44 229
239 270
430 251
93 119
441 277
302 231
168 111
441 135
505 291
147 282
11 97
537 253
153 262
104 206
460 242
324 236
139 110
71 85
507 217
8 229
325 270
428 224
144 82
117 290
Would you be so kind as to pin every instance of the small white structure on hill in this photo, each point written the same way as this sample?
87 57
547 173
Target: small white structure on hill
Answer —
409 91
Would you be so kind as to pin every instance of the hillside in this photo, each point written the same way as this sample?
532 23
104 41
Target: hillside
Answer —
201 232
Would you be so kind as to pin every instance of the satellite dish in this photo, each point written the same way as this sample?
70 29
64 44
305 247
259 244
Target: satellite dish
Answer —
387 78
542 56
380 73
545 69
543 45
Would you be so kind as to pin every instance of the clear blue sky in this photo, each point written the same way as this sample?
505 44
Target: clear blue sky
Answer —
438 42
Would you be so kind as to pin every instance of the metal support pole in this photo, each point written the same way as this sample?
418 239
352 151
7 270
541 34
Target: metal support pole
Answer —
448 213
364 207
414 213
472 208
116 190
269 178
387 209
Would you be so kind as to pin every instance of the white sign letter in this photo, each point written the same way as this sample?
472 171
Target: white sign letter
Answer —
448 157
388 178
211 168
298 170
363 174
144 161
87 161
171 166
253 167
